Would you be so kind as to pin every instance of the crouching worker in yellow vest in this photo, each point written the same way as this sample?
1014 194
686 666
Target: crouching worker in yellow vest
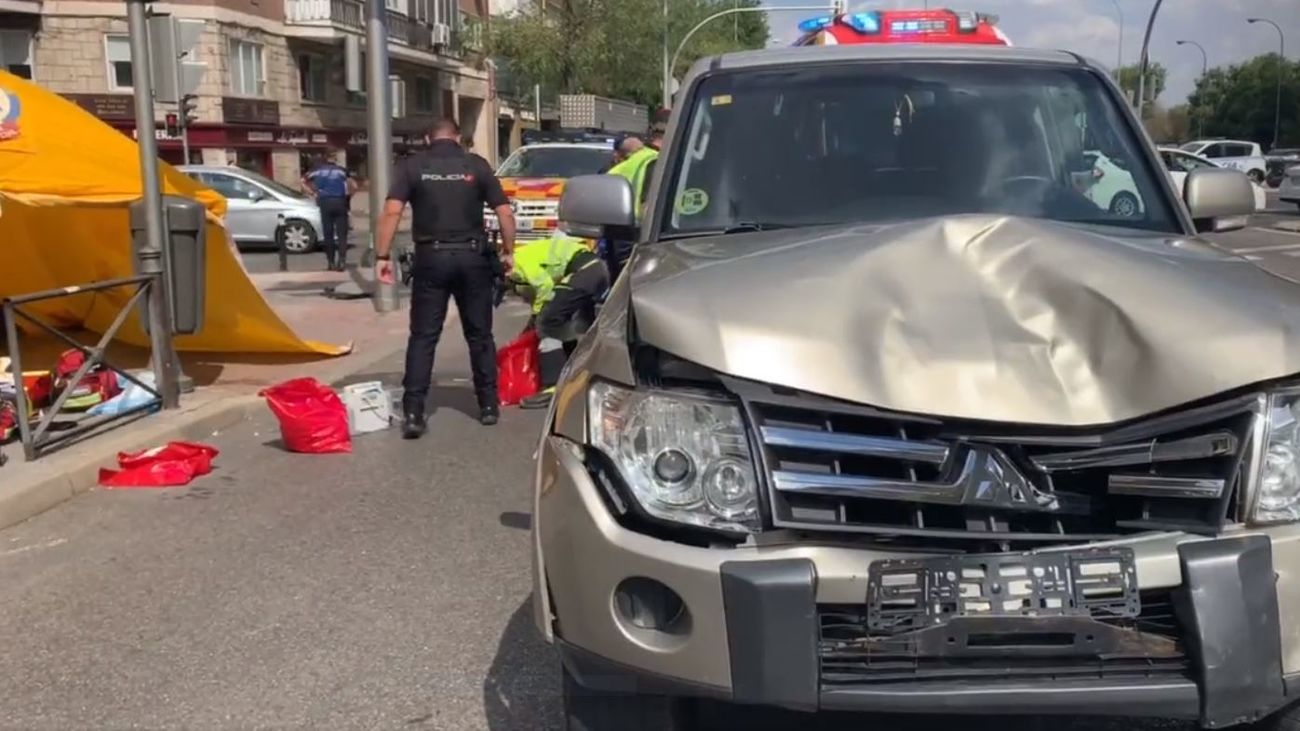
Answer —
564 279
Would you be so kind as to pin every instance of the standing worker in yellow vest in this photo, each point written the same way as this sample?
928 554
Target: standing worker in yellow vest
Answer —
636 160
564 279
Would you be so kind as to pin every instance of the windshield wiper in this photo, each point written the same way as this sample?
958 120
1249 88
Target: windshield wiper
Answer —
748 226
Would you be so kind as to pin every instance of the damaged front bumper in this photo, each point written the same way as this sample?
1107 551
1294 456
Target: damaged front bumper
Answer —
774 625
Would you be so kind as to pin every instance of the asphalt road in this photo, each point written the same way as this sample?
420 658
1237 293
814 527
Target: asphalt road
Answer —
386 588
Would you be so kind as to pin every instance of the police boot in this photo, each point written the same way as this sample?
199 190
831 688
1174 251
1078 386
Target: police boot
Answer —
489 415
414 426
540 400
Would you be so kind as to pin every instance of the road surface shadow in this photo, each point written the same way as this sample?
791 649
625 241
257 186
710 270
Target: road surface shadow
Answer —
522 688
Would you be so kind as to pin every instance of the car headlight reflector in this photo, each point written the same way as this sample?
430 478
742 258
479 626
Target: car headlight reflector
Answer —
685 458
1277 497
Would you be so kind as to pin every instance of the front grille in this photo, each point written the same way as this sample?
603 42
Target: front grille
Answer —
851 655
836 466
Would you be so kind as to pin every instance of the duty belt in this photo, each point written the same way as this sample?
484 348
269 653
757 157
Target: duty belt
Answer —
436 245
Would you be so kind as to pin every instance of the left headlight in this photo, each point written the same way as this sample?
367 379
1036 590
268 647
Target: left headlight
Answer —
1277 495
686 458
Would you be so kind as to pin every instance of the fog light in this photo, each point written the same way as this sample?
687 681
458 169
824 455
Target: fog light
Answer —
647 604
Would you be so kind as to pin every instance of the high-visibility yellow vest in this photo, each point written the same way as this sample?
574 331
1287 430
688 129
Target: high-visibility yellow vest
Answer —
634 169
541 264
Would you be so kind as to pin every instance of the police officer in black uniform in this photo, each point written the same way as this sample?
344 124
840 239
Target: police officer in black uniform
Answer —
447 188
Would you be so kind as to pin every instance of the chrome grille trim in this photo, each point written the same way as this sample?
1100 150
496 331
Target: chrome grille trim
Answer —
1156 486
935 453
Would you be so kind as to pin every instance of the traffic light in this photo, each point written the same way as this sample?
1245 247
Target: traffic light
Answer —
188 104
173 124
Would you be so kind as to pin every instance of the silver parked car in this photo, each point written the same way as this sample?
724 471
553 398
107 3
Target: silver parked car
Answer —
260 210
891 417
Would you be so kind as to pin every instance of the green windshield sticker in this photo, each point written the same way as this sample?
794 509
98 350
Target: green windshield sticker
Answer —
721 100
692 201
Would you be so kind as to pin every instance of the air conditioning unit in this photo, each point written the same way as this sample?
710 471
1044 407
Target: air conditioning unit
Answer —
441 35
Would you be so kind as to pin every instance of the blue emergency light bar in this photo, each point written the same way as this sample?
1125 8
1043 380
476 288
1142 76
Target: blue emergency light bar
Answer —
863 22
815 24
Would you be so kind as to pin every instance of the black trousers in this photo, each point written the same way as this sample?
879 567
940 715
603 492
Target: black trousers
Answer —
572 308
440 276
334 221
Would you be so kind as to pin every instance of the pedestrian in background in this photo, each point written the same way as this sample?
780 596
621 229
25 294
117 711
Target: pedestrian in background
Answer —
447 188
333 186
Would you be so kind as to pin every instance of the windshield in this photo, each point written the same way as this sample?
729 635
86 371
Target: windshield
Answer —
1192 147
880 142
555 162
278 188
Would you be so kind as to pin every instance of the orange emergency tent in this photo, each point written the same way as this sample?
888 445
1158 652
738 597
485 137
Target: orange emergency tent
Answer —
66 180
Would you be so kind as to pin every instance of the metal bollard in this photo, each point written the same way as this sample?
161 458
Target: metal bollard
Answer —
280 243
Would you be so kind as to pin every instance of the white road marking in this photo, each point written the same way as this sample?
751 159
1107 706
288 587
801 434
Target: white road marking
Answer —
1270 247
33 547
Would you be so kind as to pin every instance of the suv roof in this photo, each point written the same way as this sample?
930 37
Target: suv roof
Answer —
886 52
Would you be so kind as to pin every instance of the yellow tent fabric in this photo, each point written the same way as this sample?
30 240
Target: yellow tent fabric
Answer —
66 181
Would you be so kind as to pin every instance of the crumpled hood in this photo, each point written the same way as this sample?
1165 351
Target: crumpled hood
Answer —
979 317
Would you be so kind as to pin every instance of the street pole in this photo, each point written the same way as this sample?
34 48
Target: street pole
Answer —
180 96
537 104
1205 70
379 133
670 65
165 363
1281 68
1119 51
668 78
1142 61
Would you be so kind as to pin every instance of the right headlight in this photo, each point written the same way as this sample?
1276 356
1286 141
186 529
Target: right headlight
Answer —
685 458
1277 494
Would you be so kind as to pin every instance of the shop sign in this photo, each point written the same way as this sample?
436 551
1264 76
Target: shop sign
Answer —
320 138
293 137
108 107
261 137
358 138
250 111
527 116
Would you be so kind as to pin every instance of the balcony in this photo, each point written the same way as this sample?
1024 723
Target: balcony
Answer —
350 15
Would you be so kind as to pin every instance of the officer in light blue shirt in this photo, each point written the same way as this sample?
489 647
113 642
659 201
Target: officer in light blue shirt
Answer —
333 187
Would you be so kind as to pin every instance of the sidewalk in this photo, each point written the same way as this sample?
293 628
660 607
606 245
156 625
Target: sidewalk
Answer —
225 393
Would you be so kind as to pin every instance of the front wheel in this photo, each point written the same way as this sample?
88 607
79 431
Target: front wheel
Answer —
1125 205
1256 176
297 237
599 710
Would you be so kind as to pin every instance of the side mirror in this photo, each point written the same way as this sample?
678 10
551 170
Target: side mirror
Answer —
592 203
1219 199
257 196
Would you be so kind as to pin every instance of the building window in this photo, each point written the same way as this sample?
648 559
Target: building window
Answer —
16 52
397 89
426 95
247 70
396 6
118 52
313 77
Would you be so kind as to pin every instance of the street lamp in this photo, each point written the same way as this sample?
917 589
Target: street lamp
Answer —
1281 68
670 65
1205 69
1142 60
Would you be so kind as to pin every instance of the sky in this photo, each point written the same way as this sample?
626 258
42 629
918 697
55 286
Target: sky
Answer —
1092 28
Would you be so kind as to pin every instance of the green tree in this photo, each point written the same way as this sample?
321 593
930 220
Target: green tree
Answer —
1157 75
1238 101
613 47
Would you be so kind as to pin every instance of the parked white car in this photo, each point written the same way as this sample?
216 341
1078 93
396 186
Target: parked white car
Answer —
1289 190
1112 186
1179 163
1247 157
260 210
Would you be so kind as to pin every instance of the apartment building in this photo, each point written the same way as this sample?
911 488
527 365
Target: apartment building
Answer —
272 95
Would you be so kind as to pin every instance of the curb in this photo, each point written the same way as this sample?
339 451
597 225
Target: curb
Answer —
1292 226
33 493
30 497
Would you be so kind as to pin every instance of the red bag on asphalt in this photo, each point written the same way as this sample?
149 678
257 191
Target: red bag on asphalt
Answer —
313 419
171 465
518 376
